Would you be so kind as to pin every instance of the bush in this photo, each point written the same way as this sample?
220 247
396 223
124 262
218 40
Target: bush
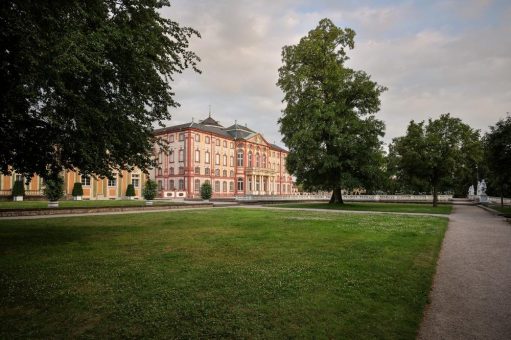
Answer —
205 191
130 190
18 189
54 189
150 190
77 189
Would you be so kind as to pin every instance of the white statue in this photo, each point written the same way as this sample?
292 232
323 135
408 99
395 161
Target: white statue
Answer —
478 188
483 188
471 190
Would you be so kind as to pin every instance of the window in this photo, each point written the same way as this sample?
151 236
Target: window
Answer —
160 157
197 155
232 145
171 138
197 137
181 155
206 157
240 184
160 185
217 172
231 186
18 178
217 142
225 160
231 174
250 159
85 180
197 185
257 161
171 156
181 137
181 184
224 173
264 161
217 186
112 182
171 170
206 171
171 185
197 170
240 157
217 159
159 171
207 139
224 186
135 180
181 170
232 161
225 144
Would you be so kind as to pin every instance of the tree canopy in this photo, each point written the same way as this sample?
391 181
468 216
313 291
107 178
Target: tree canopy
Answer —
328 123
437 153
83 82
497 145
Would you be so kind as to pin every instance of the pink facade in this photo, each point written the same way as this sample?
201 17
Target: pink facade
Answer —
236 160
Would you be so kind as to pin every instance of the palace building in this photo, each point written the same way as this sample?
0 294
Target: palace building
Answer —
235 160
93 188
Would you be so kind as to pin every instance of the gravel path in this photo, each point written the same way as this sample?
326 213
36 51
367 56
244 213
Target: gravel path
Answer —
471 296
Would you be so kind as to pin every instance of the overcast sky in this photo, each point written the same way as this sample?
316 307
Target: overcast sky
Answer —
434 56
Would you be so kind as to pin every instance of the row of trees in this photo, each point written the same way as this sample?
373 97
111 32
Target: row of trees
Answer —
334 138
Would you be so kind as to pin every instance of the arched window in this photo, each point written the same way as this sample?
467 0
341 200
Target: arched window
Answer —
224 186
258 164
231 186
231 173
240 157
171 185
181 184
197 185
217 186
224 173
240 184
250 159
171 170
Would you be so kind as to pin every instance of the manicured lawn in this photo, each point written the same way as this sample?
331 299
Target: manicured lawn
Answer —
78 204
232 273
369 206
505 210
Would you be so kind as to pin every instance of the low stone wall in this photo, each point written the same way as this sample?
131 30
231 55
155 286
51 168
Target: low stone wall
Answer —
354 198
65 211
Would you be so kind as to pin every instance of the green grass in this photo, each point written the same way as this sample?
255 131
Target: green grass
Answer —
370 206
506 210
235 273
79 204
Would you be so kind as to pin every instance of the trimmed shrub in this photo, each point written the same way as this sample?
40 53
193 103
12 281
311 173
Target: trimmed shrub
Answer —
150 190
18 189
130 190
54 189
77 189
205 191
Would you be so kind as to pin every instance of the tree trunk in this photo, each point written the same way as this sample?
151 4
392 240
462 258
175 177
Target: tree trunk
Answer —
336 197
435 196
502 196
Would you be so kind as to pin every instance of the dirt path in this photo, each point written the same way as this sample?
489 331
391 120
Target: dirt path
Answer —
471 297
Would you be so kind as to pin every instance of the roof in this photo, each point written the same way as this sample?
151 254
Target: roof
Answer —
234 131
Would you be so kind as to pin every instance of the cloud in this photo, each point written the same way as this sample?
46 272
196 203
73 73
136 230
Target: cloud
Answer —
432 58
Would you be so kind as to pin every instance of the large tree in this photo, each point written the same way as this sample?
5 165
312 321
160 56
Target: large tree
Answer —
497 145
437 153
328 123
83 82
